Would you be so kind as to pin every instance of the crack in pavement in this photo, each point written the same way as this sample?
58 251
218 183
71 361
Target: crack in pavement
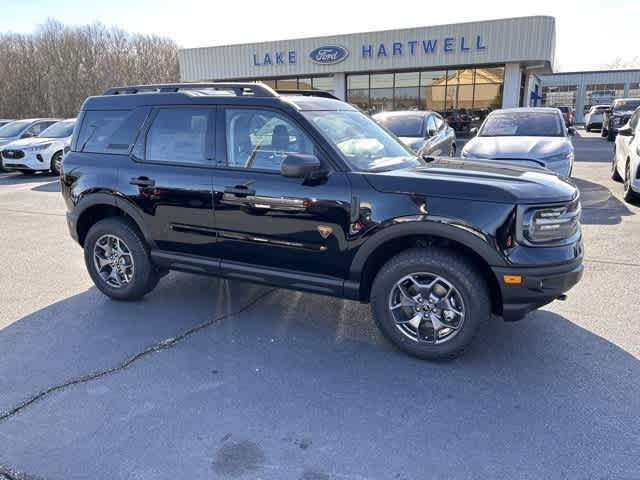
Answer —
162 345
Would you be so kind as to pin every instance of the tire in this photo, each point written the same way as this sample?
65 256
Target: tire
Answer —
615 176
143 276
56 162
587 128
458 272
628 194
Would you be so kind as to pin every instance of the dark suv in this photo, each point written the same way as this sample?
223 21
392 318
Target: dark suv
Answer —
309 193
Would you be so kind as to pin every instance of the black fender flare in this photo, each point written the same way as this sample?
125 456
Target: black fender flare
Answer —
89 200
447 229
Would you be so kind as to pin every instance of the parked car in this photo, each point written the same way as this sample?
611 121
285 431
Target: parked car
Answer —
567 115
459 119
618 115
424 132
311 194
593 118
23 129
4 121
41 153
625 165
536 137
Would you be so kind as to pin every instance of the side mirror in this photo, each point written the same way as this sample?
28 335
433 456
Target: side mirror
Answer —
473 131
571 131
27 135
625 131
302 165
431 132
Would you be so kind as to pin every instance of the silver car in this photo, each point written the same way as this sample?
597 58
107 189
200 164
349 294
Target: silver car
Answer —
594 117
423 131
535 137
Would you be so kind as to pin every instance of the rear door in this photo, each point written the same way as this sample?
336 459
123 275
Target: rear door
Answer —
169 178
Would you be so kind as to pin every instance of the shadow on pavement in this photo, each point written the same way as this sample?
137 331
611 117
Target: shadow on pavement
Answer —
53 186
300 385
600 206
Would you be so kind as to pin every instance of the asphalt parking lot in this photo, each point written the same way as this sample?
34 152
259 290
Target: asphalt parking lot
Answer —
208 379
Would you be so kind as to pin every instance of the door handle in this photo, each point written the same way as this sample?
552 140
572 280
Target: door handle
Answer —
142 182
240 191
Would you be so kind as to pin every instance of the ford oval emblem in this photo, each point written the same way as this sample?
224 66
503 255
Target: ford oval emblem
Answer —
329 54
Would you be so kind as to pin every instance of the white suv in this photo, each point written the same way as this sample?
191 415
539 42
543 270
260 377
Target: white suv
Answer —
41 153
626 157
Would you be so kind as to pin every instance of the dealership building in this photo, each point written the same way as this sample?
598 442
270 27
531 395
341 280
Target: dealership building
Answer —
447 68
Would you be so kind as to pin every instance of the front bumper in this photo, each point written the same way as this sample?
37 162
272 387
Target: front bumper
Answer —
539 286
31 161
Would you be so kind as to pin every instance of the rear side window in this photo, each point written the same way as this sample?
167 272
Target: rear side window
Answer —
110 131
180 135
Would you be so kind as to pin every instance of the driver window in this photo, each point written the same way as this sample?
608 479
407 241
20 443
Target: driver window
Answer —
261 139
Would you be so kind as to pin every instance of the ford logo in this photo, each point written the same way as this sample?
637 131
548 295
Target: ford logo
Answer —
329 54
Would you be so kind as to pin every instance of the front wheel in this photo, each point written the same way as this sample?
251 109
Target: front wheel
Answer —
615 176
628 195
56 164
118 261
429 302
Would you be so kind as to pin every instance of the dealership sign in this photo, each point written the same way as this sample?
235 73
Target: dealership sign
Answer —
328 54
332 54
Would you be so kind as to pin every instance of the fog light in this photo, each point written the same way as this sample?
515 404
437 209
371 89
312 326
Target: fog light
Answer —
39 157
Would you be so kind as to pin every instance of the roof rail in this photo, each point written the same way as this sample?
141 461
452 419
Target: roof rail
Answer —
307 93
240 89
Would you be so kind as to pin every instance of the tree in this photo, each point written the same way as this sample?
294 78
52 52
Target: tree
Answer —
620 64
50 72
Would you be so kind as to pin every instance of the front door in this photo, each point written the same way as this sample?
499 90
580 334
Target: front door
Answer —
169 178
265 219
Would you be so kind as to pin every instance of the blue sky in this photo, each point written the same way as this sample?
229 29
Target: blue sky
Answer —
582 25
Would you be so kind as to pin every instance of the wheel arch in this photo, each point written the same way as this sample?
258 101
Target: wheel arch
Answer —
94 207
389 242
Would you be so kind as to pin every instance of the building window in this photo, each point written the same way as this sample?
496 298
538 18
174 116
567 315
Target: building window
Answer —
561 95
602 94
295 83
634 89
443 91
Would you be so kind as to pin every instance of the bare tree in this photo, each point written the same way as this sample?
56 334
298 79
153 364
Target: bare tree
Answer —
620 64
52 71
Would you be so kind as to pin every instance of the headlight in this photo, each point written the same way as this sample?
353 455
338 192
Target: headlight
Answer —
37 148
560 156
618 120
549 224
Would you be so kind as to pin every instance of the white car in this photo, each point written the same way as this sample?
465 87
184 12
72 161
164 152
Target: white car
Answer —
529 137
41 153
626 157
594 117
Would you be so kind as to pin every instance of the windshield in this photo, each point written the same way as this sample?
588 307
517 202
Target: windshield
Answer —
14 128
626 105
59 130
364 144
522 124
403 126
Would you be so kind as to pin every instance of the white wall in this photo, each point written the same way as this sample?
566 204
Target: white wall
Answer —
511 92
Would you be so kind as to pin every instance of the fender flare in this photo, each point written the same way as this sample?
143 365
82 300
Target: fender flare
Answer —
450 230
89 200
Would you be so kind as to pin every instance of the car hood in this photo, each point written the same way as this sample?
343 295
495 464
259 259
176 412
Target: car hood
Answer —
6 141
31 142
476 180
516 147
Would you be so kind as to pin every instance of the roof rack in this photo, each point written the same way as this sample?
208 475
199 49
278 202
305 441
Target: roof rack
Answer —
240 89
307 93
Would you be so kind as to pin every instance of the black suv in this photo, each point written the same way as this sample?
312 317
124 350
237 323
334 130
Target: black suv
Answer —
309 193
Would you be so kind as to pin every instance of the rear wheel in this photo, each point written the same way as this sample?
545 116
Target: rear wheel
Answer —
118 261
430 302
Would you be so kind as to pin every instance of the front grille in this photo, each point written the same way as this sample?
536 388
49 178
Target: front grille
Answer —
12 153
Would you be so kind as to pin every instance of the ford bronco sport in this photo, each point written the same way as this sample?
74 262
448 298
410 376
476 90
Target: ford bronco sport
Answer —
307 192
